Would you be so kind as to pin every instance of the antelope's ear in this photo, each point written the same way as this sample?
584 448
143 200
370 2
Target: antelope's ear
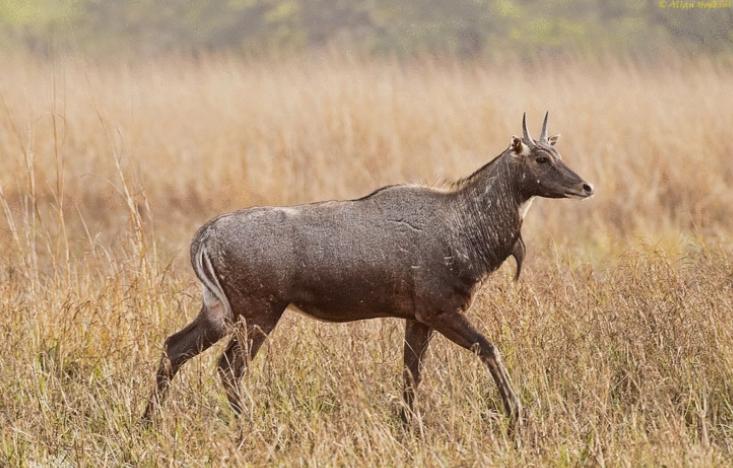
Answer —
518 147
553 139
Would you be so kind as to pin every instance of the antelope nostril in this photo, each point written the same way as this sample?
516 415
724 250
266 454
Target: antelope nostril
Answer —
588 188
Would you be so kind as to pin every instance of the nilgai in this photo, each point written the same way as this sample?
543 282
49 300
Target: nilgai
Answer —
406 251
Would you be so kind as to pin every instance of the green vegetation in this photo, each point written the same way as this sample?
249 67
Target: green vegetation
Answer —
465 28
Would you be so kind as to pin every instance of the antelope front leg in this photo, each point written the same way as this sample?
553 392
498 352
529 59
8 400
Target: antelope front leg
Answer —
456 328
417 339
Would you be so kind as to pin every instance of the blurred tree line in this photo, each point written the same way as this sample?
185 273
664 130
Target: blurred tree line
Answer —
466 28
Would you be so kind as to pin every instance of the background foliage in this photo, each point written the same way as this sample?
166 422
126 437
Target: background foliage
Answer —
466 28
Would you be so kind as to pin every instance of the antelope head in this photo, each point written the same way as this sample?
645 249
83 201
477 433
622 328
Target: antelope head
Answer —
540 169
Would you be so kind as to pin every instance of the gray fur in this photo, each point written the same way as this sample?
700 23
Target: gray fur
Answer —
412 252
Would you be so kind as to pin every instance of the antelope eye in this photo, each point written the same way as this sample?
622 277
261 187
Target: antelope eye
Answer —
542 159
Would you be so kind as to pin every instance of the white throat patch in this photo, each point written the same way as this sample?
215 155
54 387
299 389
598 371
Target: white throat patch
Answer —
524 208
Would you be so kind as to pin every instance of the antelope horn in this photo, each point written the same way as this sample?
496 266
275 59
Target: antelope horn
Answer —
543 134
527 136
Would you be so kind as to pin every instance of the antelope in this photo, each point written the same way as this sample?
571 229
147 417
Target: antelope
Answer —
406 251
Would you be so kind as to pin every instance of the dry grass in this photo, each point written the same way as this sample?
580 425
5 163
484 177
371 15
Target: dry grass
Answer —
618 336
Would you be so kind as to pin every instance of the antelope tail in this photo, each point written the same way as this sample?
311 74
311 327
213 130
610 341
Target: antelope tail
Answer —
207 275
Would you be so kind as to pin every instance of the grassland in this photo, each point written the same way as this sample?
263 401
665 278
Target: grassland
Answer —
619 335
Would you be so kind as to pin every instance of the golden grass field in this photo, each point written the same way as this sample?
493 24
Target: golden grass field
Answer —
619 335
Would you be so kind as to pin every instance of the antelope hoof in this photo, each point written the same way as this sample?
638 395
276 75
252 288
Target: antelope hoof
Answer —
408 418
516 417
146 420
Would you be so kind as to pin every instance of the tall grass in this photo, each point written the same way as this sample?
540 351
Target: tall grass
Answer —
618 336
